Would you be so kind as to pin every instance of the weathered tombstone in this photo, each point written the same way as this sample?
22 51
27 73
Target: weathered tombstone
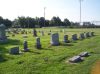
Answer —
75 59
14 50
26 32
92 33
3 37
66 38
54 39
34 32
39 31
74 37
82 36
49 33
42 33
25 36
38 44
84 54
13 35
64 31
22 32
87 34
25 46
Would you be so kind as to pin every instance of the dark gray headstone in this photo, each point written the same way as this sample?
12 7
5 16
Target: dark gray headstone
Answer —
34 33
54 39
82 36
74 37
14 50
66 38
38 44
25 46
87 34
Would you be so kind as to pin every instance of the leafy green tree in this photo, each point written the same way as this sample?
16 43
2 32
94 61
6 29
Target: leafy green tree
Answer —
66 22
55 21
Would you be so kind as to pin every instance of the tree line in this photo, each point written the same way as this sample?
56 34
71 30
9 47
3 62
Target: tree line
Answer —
29 22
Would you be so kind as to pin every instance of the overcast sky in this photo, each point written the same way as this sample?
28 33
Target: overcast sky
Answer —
11 9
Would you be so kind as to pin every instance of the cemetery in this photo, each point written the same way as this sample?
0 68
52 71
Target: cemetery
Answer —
34 51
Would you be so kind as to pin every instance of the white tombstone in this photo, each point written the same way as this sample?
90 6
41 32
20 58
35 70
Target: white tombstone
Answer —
54 39
42 33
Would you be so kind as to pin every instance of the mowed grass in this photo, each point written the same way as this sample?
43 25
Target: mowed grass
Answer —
50 59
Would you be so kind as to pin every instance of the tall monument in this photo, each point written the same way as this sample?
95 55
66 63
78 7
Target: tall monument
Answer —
3 37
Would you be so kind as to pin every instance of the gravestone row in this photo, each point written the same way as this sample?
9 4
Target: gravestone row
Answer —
54 41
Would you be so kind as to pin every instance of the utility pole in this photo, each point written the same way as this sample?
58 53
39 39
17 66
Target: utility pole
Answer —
44 16
80 11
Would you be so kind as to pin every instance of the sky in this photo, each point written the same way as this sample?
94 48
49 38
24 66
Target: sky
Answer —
70 9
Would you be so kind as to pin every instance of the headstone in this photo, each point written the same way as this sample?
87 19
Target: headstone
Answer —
26 32
25 36
87 34
82 36
13 35
75 59
34 32
92 33
49 33
14 50
3 37
38 44
25 46
66 38
22 32
54 39
42 33
74 37
64 31
84 54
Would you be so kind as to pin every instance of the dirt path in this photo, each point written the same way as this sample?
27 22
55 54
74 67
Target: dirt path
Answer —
96 68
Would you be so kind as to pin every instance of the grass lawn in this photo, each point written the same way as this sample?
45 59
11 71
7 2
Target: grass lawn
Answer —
33 62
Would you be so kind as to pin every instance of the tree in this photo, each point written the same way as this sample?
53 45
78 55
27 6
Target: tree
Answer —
66 22
55 21
6 22
41 21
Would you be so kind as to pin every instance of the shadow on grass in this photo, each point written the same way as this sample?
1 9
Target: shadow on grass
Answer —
11 42
2 58
2 54
4 50
66 44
